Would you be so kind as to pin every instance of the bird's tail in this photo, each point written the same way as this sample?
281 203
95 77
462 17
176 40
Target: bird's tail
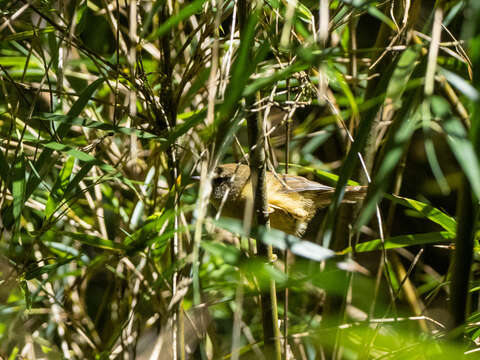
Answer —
354 194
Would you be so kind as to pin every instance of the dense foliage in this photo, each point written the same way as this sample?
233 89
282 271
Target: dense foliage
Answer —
108 246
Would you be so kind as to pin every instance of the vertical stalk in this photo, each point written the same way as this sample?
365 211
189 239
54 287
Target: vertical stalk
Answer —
271 331
285 256
237 320
462 259
170 112
285 309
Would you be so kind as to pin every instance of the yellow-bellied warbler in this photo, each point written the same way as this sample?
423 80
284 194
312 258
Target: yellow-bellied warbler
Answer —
292 200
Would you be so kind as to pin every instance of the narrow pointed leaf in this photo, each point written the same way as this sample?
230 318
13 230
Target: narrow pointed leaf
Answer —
403 241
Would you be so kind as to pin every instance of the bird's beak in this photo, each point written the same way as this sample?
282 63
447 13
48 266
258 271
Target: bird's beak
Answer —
195 177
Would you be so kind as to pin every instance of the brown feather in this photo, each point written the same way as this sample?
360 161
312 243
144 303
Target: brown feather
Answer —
292 200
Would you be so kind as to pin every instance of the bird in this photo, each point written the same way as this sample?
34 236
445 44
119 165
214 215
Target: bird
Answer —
292 201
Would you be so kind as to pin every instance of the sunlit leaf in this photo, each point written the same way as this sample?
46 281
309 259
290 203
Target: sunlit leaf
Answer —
91 124
44 163
36 271
280 240
187 11
59 187
27 34
18 187
95 241
403 241
229 254
428 211
461 84
464 152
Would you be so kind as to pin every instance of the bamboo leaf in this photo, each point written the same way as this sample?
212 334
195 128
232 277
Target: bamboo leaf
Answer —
4 167
264 82
461 84
427 211
229 254
82 100
36 271
372 10
94 241
78 154
186 12
403 241
279 240
18 187
90 124
188 124
27 34
243 66
44 163
58 190
464 152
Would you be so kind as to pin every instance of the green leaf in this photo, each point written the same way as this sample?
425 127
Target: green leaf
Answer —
372 10
235 226
63 250
230 254
303 12
44 162
4 167
83 100
94 241
189 123
403 241
464 152
79 176
27 34
242 68
87 123
325 177
401 75
36 271
58 190
399 134
149 238
78 154
348 93
173 20
148 233
263 82
27 294
279 240
461 84
382 17
435 165
427 211
18 187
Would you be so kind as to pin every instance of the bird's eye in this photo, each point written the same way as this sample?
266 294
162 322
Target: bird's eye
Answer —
220 179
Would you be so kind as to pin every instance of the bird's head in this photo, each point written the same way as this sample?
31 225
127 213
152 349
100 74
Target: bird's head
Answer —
229 178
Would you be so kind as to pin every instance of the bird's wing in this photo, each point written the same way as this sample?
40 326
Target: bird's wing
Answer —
294 183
